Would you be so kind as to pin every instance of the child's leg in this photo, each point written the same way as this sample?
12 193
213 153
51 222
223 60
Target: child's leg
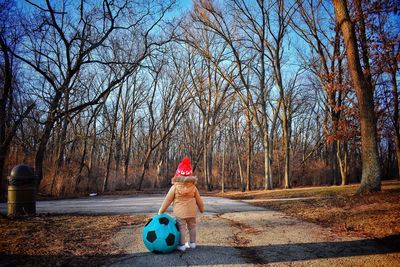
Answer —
182 228
191 225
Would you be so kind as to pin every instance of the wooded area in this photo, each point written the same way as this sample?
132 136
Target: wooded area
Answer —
110 95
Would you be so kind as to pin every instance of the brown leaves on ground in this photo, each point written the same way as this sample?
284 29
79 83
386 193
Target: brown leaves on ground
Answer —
375 215
63 238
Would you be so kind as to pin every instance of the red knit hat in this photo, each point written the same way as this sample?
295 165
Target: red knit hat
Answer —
184 168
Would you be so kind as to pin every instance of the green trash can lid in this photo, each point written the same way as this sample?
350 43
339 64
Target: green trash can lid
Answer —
22 171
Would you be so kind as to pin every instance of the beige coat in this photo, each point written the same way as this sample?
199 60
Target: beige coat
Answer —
185 197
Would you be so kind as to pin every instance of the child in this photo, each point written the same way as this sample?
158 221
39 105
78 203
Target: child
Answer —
186 200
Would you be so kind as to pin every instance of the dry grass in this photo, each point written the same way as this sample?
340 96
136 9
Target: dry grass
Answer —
62 240
375 215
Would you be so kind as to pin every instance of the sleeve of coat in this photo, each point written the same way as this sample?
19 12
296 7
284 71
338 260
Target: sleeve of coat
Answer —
199 201
168 200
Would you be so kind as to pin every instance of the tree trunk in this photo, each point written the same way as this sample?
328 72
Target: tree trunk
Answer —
334 158
363 41
110 150
145 167
40 153
109 157
371 172
117 157
342 162
159 173
3 176
397 144
210 159
239 161
269 142
83 157
92 150
267 161
242 183
287 164
285 120
286 139
61 141
6 91
120 149
128 150
205 161
162 159
396 122
249 152
223 169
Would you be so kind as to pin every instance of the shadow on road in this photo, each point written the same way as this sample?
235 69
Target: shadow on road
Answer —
205 255
320 250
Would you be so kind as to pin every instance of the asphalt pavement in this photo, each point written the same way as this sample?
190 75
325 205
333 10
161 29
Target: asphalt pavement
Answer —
231 233
129 205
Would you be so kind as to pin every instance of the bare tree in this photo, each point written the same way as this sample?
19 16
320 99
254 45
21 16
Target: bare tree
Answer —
135 96
168 97
328 68
268 47
210 93
123 91
386 60
10 116
61 47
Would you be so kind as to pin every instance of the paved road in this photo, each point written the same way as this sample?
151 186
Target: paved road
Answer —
260 238
233 233
129 205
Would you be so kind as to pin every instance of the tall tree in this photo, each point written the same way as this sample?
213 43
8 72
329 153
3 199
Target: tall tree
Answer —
326 44
60 47
252 43
167 103
371 171
386 57
210 94
10 117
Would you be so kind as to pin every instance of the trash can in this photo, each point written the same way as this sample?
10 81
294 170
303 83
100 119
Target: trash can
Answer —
21 198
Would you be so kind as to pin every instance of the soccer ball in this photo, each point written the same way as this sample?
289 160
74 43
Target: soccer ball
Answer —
161 234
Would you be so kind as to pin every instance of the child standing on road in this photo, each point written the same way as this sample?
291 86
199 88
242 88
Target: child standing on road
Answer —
186 199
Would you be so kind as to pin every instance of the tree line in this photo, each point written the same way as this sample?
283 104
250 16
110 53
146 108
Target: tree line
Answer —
110 95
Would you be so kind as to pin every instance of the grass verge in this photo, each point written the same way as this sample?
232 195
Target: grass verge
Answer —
61 240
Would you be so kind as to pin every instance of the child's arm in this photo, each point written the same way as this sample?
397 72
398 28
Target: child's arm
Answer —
168 200
199 201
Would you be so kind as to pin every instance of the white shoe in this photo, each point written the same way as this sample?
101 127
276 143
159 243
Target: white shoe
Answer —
190 245
181 248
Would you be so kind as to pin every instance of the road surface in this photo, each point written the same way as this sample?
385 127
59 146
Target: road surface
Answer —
129 205
234 233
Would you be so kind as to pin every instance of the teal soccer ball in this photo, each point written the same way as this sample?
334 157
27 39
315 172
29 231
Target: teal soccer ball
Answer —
161 234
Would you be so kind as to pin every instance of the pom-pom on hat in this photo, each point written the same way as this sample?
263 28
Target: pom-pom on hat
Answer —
184 168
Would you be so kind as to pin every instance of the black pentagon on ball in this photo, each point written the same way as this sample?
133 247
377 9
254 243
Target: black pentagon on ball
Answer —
163 220
148 222
157 252
170 239
151 236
